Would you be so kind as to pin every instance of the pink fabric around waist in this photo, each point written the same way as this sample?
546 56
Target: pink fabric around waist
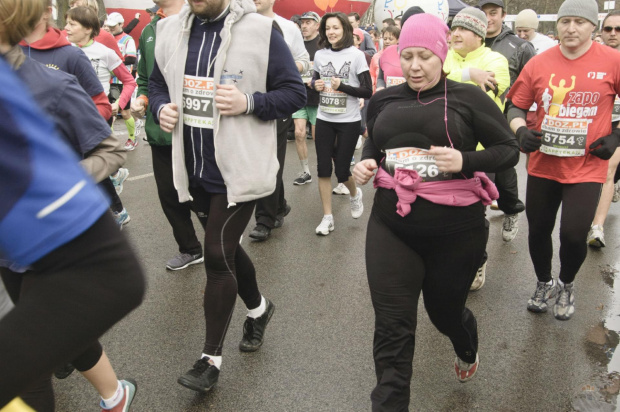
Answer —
408 185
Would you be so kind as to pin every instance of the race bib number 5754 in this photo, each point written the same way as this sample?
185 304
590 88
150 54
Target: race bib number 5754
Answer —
198 93
564 137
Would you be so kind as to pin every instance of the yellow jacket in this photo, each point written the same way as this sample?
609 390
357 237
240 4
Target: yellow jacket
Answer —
485 59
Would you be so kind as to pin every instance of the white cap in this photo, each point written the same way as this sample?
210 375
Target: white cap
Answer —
114 19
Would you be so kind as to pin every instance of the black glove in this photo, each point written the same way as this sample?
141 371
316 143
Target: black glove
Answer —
529 140
606 145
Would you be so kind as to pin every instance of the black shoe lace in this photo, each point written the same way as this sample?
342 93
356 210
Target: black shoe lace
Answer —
248 327
202 365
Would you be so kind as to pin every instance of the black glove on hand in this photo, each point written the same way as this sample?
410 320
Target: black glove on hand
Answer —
529 140
606 145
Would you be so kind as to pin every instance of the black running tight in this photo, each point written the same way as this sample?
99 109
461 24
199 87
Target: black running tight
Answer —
579 202
400 265
229 269
70 298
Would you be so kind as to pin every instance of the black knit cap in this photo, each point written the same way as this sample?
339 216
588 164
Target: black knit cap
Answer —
410 12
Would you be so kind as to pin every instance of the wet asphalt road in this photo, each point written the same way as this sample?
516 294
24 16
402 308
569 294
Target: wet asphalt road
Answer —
317 354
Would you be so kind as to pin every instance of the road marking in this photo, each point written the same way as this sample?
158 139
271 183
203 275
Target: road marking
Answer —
131 179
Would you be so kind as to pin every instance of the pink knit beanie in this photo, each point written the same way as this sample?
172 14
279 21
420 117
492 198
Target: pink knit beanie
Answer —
427 31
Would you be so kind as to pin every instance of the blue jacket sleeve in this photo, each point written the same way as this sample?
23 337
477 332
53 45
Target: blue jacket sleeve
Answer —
158 92
285 91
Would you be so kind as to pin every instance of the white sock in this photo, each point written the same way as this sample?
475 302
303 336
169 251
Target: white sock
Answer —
551 282
116 398
560 283
330 217
216 360
304 165
257 312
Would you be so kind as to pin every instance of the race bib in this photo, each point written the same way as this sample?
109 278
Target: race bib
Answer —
332 101
198 93
413 158
394 81
564 137
615 115
307 76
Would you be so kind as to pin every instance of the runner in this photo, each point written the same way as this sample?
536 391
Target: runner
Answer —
224 157
390 38
611 191
367 45
341 76
77 257
127 46
526 25
427 129
82 27
310 32
569 147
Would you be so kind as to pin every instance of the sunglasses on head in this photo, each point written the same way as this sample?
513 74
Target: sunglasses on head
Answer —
608 29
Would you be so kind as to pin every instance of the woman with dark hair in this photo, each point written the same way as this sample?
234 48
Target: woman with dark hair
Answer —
426 232
341 76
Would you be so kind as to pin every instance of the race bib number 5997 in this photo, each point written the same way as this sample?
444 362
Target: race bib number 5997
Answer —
198 93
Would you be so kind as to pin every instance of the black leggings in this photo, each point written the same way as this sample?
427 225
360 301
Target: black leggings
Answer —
579 202
229 268
116 205
70 298
335 141
400 266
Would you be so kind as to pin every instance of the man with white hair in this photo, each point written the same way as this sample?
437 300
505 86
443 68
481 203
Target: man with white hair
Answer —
526 25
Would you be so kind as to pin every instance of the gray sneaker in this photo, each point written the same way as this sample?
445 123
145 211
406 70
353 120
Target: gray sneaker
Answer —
544 292
510 227
184 260
564 307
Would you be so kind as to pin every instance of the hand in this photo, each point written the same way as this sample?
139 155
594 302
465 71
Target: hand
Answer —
229 100
168 117
319 85
335 83
447 159
137 16
529 140
364 170
115 108
606 145
138 108
482 78
362 102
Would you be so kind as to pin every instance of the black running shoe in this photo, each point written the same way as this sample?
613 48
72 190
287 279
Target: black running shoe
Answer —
254 329
202 377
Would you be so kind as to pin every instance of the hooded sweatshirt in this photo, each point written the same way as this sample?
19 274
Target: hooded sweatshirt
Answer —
55 52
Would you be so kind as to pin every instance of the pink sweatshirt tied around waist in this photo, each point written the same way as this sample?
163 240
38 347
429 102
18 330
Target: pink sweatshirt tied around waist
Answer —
408 185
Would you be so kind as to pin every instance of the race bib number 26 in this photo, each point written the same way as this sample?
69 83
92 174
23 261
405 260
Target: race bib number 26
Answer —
198 93
417 159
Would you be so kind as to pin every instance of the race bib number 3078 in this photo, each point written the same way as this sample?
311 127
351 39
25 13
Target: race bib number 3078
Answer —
564 137
198 93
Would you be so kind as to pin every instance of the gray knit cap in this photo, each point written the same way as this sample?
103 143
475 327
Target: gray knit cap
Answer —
473 19
586 9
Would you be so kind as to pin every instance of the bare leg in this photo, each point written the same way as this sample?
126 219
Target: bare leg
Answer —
608 191
350 184
102 377
325 190
300 138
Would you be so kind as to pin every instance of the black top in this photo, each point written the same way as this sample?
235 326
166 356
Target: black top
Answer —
311 47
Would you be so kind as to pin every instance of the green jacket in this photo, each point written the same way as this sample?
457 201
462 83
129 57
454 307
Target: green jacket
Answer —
154 134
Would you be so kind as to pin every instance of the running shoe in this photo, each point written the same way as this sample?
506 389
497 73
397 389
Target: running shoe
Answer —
303 178
596 237
326 226
358 145
510 227
616 196
202 377
122 218
465 371
119 178
131 144
480 278
357 206
544 291
281 215
341 189
254 329
184 260
129 392
564 307
494 205
260 232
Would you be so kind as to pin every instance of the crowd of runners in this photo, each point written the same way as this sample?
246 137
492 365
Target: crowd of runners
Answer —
440 112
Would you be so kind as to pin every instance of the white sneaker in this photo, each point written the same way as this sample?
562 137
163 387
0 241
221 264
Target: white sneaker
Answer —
357 207
326 226
510 227
341 189
358 145
596 237
478 282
